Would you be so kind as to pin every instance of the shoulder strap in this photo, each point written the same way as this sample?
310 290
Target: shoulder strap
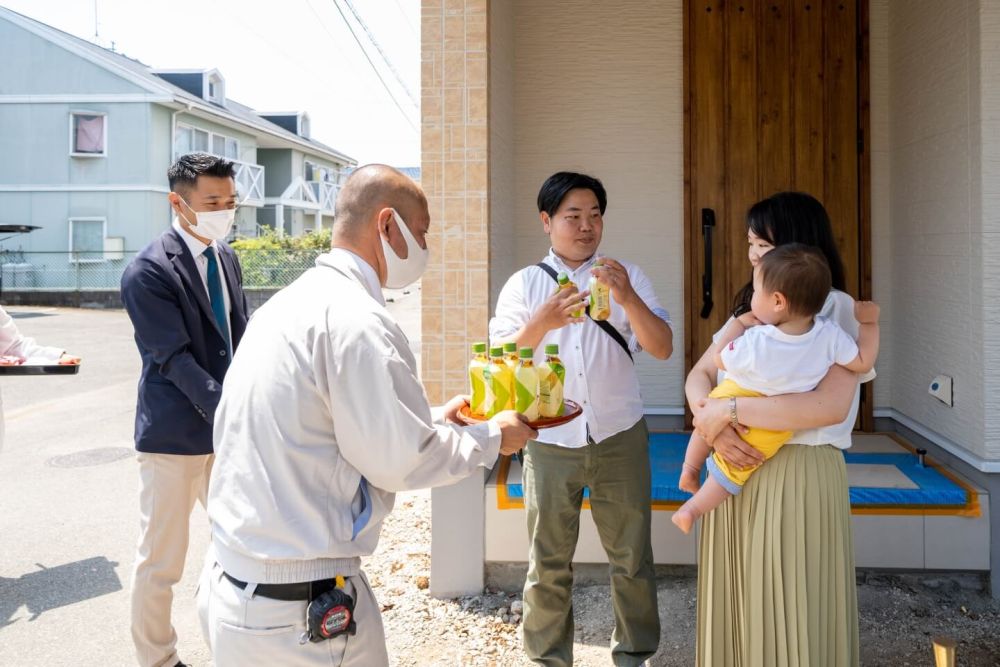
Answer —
605 326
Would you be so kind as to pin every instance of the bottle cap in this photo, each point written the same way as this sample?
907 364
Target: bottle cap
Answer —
552 348
478 348
496 351
510 347
562 278
527 353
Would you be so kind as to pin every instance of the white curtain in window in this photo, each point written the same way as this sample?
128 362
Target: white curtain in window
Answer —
201 141
232 149
89 134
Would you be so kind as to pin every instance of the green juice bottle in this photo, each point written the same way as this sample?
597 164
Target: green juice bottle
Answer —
566 283
551 377
526 385
477 382
499 383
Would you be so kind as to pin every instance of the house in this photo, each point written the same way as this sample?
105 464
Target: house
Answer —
88 134
690 111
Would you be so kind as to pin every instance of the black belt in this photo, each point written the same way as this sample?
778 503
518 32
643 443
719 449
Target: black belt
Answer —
306 590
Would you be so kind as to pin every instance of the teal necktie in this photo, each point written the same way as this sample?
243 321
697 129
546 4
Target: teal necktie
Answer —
216 297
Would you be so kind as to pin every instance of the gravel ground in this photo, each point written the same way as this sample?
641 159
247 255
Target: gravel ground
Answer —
899 613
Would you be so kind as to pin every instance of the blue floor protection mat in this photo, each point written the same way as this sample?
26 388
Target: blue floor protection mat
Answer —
666 454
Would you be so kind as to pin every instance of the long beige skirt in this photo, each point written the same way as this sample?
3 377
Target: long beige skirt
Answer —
776 582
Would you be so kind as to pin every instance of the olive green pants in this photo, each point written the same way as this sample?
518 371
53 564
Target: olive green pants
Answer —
617 473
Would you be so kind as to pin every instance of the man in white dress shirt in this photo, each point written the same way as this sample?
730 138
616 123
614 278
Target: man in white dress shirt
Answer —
322 419
606 450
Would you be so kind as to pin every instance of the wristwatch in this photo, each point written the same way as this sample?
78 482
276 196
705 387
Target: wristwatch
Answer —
733 421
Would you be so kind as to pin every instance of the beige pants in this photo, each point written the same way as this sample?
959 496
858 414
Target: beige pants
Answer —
169 486
244 629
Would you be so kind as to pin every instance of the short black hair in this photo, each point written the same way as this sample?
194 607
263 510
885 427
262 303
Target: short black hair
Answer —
188 168
557 186
801 273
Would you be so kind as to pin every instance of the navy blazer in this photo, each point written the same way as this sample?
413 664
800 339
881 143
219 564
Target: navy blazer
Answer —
184 356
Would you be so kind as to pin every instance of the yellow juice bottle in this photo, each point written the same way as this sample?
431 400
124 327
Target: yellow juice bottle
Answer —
566 283
510 355
526 385
551 377
477 382
600 295
499 382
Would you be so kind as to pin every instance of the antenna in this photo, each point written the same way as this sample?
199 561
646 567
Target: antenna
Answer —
97 33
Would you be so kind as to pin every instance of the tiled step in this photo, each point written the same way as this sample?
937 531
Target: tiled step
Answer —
898 536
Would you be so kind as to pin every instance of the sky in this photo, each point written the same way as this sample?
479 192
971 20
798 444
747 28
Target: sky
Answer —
277 56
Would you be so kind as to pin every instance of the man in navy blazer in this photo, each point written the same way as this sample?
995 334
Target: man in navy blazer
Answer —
184 295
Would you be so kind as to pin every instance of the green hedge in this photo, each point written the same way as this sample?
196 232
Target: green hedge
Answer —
275 261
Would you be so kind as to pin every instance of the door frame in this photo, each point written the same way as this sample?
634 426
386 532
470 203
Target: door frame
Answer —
691 355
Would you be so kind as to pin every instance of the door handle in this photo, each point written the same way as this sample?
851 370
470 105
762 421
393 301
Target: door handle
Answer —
707 225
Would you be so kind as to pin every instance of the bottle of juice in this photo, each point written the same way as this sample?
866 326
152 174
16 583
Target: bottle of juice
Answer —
510 355
477 383
551 376
499 383
600 295
526 385
566 283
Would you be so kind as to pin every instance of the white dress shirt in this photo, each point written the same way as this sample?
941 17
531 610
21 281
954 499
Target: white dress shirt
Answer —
322 419
599 375
197 249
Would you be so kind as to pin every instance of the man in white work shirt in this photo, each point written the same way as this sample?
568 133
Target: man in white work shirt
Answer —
322 419
605 450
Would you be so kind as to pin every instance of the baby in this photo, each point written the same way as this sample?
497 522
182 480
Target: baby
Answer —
781 347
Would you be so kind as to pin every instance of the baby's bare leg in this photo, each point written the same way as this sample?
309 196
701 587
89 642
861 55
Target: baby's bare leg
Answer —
709 496
694 457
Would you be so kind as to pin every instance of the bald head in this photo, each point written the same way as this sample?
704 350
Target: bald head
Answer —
369 190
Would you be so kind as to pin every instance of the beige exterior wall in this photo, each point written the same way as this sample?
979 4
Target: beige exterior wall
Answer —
455 289
937 315
989 73
882 292
594 87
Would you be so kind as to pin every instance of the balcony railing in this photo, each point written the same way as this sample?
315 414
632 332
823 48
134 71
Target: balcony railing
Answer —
250 183
326 194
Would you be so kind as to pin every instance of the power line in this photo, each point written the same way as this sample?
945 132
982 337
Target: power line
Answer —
385 58
413 31
374 68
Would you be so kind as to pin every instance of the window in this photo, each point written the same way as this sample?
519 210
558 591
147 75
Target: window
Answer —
200 143
88 134
189 139
86 239
183 139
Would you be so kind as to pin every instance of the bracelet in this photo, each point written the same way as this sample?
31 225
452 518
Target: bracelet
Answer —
733 421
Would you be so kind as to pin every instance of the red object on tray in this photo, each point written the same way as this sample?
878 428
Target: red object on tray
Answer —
571 412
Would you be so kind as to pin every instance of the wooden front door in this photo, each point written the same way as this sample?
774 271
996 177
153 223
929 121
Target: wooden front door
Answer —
775 100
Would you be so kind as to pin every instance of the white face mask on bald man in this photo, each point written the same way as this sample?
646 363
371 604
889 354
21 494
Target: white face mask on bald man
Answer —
401 272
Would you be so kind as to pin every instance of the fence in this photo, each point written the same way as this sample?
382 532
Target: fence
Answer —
30 271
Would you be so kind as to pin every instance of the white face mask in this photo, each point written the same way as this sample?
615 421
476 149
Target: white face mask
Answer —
212 225
401 272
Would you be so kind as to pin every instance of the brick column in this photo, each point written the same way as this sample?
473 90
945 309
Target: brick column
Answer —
454 174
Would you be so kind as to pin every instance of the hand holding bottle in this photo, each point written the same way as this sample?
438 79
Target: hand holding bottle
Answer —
560 309
615 276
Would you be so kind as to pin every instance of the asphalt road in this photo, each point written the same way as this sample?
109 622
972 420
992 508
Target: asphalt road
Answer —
69 499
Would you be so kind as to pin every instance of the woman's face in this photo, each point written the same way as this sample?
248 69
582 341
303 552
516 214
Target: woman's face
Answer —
758 247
